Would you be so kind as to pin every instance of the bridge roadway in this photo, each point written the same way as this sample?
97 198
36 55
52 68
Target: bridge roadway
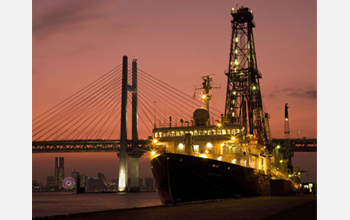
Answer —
299 145
94 145
139 146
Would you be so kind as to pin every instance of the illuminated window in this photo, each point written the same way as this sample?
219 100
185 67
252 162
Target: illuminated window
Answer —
195 133
205 132
160 134
200 132
156 134
177 133
219 132
214 132
182 133
223 131
195 148
209 132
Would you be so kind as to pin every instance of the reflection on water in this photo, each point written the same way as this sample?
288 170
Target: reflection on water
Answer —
58 203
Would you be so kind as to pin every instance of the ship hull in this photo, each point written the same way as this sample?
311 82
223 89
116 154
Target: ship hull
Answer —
183 178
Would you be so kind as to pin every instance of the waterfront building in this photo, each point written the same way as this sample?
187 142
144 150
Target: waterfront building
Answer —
149 184
50 183
101 182
59 172
75 175
141 183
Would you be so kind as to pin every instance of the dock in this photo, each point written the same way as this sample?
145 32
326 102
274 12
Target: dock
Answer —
267 208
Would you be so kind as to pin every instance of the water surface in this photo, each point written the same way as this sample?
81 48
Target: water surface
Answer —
58 203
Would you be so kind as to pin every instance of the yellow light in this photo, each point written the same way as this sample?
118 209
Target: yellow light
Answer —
233 138
203 156
181 146
153 154
234 161
155 141
281 161
278 147
236 51
219 158
286 119
206 151
209 145
219 124
204 96
236 39
254 87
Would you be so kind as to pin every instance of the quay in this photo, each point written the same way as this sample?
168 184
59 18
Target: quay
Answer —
267 208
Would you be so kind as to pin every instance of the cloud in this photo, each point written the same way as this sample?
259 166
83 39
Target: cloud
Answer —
307 93
70 16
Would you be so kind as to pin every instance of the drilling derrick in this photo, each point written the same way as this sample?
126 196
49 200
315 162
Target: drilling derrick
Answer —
287 153
243 98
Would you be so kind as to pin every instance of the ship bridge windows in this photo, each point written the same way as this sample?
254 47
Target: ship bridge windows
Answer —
196 149
195 133
223 132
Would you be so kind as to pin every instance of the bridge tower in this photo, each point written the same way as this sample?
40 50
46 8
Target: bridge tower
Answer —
243 98
123 162
124 155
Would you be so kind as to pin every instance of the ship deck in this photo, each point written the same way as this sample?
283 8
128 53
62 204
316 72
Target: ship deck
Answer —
266 207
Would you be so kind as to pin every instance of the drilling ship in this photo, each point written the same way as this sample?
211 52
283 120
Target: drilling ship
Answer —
229 158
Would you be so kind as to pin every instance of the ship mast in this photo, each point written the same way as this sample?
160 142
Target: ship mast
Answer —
207 87
243 97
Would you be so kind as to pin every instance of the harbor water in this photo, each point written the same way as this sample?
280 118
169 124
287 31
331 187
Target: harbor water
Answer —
60 203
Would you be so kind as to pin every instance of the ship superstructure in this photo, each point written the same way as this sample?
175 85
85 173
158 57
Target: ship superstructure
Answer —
233 156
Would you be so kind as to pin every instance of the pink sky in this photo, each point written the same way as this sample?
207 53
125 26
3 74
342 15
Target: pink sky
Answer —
75 42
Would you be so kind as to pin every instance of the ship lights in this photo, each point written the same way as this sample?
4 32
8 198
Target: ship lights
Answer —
155 141
181 146
219 125
281 161
203 155
236 39
209 145
234 161
220 158
154 154
233 138
278 147
204 96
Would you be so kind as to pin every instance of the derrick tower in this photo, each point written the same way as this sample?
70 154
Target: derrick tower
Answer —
286 151
243 98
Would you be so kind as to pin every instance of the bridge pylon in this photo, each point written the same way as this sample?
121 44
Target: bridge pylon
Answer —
123 156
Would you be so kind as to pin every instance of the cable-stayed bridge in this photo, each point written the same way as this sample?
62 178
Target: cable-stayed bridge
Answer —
94 119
